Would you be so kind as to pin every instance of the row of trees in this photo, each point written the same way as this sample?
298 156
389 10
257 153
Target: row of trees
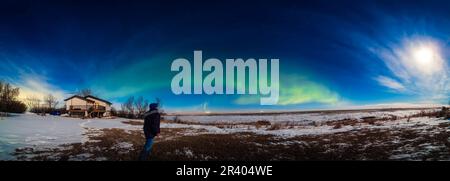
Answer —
132 108
135 107
84 92
48 104
8 99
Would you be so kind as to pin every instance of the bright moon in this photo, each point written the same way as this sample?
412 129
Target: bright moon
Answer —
424 55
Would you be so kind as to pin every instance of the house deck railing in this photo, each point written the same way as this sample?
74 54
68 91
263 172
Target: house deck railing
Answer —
87 107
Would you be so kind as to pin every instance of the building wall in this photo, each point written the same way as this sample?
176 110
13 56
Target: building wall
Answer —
75 102
104 104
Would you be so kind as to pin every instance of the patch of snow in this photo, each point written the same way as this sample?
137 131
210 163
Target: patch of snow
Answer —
31 130
80 157
101 159
186 152
124 146
400 156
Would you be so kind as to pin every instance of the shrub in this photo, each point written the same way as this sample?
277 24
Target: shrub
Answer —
8 99
39 110
16 107
276 126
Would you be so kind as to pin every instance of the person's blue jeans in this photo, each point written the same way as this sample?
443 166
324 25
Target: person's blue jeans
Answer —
147 149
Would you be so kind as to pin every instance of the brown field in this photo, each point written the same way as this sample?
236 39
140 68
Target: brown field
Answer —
418 142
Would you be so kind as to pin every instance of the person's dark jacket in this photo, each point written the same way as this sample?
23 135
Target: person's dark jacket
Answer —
151 123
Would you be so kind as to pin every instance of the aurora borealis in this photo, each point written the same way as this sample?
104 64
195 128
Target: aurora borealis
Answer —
332 53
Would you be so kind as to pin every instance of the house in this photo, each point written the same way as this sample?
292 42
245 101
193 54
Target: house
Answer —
87 106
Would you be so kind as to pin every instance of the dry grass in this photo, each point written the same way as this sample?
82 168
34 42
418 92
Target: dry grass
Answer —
175 145
131 122
378 121
103 144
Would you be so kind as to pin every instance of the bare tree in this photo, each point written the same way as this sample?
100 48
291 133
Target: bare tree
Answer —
159 102
129 105
160 105
85 92
2 103
1 88
8 94
146 104
123 108
141 105
51 101
32 102
8 99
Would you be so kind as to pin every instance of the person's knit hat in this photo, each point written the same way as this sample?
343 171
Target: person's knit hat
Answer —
153 106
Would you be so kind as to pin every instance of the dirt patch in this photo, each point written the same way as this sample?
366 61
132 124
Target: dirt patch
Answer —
134 123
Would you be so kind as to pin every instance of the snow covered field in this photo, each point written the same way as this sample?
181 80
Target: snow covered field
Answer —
291 125
292 131
23 131
297 118
31 130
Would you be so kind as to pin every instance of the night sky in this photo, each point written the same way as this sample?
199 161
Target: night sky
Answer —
332 53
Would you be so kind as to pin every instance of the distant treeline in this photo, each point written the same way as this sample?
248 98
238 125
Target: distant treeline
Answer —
47 105
8 99
134 108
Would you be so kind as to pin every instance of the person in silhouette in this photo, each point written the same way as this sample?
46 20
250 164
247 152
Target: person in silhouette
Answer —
152 120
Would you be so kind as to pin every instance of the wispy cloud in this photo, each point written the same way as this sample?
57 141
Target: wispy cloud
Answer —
31 83
390 83
417 66
37 86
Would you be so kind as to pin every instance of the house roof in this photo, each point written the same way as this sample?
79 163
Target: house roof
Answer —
85 98
75 96
96 98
